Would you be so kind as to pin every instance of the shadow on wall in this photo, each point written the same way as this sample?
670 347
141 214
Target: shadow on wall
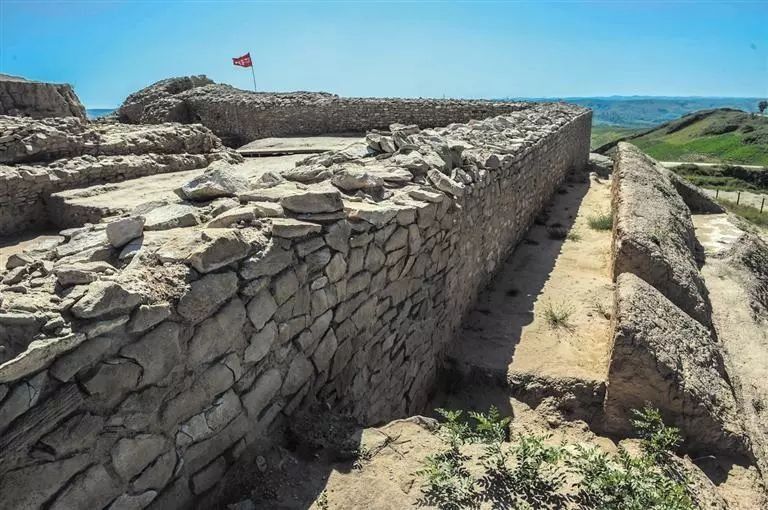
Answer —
293 473
492 330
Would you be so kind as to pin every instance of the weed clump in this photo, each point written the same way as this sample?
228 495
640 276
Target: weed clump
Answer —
558 316
526 472
602 221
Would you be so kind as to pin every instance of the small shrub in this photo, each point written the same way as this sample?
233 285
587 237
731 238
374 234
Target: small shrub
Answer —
447 483
573 236
322 501
619 482
749 213
659 439
528 475
602 221
558 316
491 427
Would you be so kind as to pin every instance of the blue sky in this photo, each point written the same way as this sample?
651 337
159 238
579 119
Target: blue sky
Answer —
108 49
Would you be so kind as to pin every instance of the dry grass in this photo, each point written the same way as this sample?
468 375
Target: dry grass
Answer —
558 316
602 221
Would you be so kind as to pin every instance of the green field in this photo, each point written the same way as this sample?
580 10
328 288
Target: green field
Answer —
715 136
602 134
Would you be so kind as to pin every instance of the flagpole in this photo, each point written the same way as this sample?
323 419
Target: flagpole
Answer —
253 73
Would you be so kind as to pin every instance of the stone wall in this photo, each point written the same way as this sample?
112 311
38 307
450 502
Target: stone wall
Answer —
240 116
38 99
148 380
40 157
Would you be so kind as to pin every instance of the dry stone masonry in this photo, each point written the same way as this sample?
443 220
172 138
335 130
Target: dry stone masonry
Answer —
239 116
40 157
141 356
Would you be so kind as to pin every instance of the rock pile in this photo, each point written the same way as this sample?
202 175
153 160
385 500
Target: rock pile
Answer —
144 354
37 99
39 157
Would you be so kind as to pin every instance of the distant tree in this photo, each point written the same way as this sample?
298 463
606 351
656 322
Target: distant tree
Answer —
762 105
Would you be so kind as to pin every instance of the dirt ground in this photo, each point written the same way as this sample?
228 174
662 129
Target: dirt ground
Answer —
508 329
744 339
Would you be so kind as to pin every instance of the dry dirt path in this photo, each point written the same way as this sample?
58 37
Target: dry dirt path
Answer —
745 342
508 333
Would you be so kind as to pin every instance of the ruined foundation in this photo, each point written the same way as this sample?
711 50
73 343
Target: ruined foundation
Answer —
155 361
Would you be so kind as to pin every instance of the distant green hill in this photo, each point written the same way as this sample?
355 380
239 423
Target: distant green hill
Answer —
710 136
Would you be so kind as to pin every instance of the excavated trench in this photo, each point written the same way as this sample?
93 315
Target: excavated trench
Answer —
541 329
550 378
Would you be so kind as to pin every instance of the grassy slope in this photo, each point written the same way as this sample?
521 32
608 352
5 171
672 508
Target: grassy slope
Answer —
719 136
602 134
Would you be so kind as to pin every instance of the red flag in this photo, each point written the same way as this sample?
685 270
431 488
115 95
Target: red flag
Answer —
244 61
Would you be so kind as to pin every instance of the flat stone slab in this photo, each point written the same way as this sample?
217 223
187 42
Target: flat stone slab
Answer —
297 145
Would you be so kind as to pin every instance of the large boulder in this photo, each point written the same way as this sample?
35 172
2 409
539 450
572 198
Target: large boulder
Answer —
25 98
654 236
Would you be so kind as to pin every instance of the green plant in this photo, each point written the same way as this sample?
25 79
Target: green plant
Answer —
361 455
601 221
558 316
454 430
749 213
624 482
447 484
491 427
528 475
557 231
659 439
573 236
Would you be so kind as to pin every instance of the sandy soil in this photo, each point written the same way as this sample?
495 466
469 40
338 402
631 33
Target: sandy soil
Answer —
508 329
745 341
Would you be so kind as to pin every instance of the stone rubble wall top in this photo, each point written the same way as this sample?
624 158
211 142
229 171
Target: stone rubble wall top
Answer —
370 183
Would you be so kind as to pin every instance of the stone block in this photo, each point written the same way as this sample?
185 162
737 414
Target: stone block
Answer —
261 308
262 392
218 335
124 230
260 343
105 297
158 352
131 455
206 295
94 488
